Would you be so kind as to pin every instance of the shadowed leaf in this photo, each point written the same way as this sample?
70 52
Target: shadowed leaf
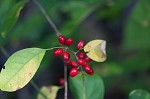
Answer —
11 18
49 91
139 94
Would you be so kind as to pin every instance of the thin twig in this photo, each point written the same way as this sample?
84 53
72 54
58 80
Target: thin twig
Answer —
75 54
54 48
83 83
4 51
57 33
66 84
47 17
65 77
83 77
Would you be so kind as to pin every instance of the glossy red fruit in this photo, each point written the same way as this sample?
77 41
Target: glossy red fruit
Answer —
81 62
87 59
61 81
80 44
81 55
88 69
73 72
58 52
66 56
62 39
74 64
69 42
68 63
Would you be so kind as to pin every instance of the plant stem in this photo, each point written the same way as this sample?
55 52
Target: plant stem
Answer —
34 85
83 83
54 48
65 77
75 54
37 88
57 33
66 84
4 51
83 77
47 17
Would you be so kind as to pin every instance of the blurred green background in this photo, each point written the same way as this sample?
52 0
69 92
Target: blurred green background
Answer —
124 24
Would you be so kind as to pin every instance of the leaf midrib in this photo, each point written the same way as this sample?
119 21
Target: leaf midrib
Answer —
20 70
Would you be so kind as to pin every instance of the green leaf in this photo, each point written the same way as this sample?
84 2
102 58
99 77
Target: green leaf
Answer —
109 69
96 50
78 10
5 5
11 18
49 91
137 28
84 86
20 68
1 40
139 94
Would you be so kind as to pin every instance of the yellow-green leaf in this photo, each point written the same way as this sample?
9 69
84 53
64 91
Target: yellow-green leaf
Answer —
96 50
49 91
20 68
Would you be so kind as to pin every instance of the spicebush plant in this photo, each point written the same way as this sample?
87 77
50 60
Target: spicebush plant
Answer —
21 66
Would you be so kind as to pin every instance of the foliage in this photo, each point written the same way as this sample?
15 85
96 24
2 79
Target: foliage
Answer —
49 91
20 68
139 94
123 24
9 15
96 50
84 86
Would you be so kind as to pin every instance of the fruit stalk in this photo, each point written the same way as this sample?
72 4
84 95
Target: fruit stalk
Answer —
57 33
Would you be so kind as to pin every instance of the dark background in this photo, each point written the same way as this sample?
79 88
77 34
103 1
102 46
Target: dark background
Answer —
124 24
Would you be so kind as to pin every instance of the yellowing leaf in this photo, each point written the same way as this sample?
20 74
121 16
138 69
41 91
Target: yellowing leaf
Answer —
96 50
49 91
20 68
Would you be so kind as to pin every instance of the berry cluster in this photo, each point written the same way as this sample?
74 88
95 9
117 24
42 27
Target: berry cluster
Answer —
82 59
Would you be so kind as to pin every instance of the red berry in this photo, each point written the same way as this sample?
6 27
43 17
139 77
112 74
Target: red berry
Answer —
88 69
69 42
68 63
66 56
81 55
62 39
58 52
80 44
73 72
81 62
74 64
87 59
61 81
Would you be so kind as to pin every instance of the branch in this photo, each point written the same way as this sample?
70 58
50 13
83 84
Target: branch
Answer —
66 84
4 51
57 33
47 17
83 78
